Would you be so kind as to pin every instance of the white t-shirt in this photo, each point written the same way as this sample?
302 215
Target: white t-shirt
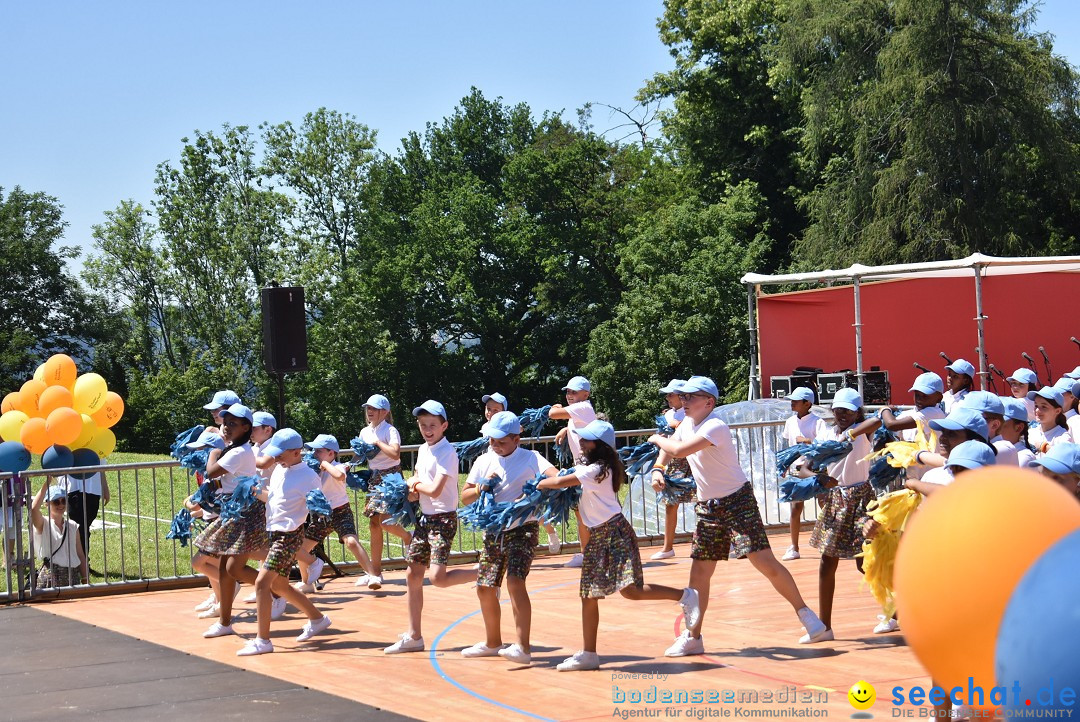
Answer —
1006 452
335 491
89 485
387 434
286 501
1074 425
599 502
716 467
939 475
1024 455
47 543
264 474
1056 435
674 416
810 427
513 471
433 462
854 468
951 400
581 414
237 462
930 413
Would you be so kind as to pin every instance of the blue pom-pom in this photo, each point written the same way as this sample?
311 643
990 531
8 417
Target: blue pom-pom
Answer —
358 479
824 453
206 497
468 450
179 447
564 457
241 498
180 529
194 460
676 486
393 495
662 426
786 457
559 504
882 474
533 421
308 457
801 489
882 436
317 503
493 517
638 459
364 451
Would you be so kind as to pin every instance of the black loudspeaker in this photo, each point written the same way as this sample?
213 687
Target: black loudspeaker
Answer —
284 330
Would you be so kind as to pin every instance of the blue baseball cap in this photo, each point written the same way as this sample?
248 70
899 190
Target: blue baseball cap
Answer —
673 387
578 383
263 418
984 402
432 407
801 393
1050 394
971 455
598 431
497 398
1074 374
378 401
55 492
208 438
1024 376
847 398
501 424
281 441
700 383
1065 385
1061 459
1015 409
222 398
960 366
324 441
961 419
239 411
928 383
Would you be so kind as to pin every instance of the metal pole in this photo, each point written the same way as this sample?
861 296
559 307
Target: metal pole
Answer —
754 392
858 336
979 318
281 400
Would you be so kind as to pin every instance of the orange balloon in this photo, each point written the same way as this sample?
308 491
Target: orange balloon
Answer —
31 392
63 426
11 401
60 371
52 398
34 437
961 556
110 412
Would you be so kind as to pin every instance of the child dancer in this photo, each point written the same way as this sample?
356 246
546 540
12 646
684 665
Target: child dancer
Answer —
578 412
1050 413
1021 383
286 511
679 467
435 480
220 403
726 506
612 560
380 431
505 467
332 477
1014 430
1062 464
263 426
801 428
961 377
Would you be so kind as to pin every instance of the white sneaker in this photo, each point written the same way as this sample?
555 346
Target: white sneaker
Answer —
885 626
691 607
315 570
217 629
685 645
304 588
210 612
277 608
791 553
816 631
580 661
515 653
663 554
206 603
256 646
312 628
251 598
480 650
554 545
575 561
405 643
371 581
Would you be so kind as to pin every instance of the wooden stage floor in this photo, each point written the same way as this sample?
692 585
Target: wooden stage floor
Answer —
751 641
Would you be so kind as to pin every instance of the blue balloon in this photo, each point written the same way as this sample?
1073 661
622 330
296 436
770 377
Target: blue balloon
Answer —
1036 644
14 457
57 457
85 457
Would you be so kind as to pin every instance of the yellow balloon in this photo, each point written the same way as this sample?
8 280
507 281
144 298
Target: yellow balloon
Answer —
60 370
90 390
39 373
89 428
11 424
103 443
110 412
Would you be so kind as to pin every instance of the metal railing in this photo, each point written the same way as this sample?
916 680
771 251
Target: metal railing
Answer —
127 549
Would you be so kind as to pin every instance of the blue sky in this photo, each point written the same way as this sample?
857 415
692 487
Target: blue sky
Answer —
96 94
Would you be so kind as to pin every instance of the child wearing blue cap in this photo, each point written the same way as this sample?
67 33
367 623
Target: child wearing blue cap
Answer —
676 467
960 379
726 507
962 424
578 413
1062 464
1021 383
380 431
992 408
434 481
801 427
57 542
1051 427
1014 430
505 468
612 559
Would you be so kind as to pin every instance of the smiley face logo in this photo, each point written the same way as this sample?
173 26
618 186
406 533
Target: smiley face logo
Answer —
862 695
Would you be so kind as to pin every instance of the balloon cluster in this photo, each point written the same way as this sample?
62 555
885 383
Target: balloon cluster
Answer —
986 585
65 417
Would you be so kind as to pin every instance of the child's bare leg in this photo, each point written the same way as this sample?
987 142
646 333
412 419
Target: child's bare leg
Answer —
671 520
492 613
590 623
357 549
522 606
414 580
375 525
795 523
440 576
